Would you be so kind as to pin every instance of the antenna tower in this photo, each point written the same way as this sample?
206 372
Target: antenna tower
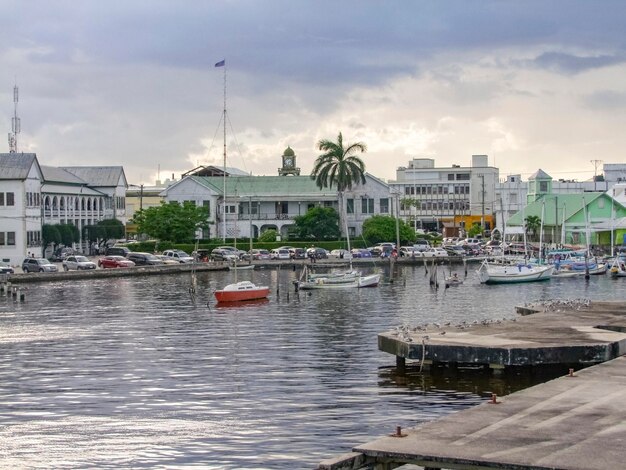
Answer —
15 123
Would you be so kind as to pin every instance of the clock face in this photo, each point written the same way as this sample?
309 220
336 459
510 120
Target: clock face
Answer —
288 161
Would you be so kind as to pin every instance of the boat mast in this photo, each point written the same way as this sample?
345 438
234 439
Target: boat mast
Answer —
224 175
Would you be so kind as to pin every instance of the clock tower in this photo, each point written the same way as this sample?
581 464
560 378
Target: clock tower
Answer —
289 164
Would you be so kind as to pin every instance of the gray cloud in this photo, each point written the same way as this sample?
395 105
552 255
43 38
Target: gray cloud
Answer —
568 63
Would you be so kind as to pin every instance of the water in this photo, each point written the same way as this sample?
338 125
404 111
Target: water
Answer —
130 373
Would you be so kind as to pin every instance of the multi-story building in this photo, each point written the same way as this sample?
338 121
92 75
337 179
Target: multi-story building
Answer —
32 195
446 198
20 206
240 206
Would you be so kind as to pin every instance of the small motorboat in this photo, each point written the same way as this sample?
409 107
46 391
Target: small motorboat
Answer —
241 291
453 280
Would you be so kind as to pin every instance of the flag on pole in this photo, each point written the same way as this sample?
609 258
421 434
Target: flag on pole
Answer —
221 63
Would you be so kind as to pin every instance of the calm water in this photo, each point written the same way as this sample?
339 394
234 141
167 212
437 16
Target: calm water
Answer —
130 373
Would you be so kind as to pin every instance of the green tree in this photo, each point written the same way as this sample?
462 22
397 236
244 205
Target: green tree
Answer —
339 167
268 236
172 221
69 234
320 223
474 230
533 224
104 230
382 228
50 235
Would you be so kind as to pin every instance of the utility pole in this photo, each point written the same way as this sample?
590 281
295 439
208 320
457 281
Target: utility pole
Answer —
595 173
482 197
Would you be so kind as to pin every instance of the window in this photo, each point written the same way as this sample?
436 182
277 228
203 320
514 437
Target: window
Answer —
230 209
543 187
350 206
462 176
450 176
367 206
207 204
11 238
10 199
1 199
1 237
384 205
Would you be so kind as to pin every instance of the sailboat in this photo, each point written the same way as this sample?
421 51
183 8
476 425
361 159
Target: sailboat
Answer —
243 290
337 280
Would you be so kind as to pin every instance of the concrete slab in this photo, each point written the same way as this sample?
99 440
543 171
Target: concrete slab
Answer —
594 334
572 423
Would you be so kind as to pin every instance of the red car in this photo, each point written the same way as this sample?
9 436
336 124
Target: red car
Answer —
114 261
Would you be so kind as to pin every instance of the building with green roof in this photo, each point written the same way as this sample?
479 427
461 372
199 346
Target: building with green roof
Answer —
243 206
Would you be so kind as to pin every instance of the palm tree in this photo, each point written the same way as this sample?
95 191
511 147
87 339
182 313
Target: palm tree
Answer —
533 223
338 166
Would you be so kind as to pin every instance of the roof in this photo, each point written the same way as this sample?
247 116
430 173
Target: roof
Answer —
572 203
15 166
103 176
539 175
53 174
259 186
212 170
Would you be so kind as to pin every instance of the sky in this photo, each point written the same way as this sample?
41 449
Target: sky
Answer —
531 84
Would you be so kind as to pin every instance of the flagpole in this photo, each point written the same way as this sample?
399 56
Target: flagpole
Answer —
222 63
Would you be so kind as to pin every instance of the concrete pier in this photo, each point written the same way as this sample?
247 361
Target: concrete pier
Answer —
573 422
592 334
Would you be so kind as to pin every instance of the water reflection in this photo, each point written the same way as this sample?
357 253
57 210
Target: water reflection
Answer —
131 372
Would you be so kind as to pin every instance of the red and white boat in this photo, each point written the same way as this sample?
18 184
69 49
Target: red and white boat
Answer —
240 291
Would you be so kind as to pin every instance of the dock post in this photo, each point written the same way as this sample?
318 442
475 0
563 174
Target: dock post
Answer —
496 369
400 364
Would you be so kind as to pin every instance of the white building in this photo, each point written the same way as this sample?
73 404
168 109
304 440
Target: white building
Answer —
446 197
32 195
20 206
254 204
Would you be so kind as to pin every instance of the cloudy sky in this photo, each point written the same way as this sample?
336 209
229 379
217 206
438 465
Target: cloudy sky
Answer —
532 84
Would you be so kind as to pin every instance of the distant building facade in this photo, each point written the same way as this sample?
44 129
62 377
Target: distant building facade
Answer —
446 198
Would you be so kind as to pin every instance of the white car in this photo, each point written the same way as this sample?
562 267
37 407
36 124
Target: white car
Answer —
78 263
280 253
435 253
178 255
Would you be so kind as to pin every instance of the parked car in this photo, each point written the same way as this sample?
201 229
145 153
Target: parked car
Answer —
382 249
260 254
280 253
116 250
224 253
61 253
38 265
410 251
168 259
472 249
317 253
78 263
5 268
455 250
435 253
360 253
421 244
201 254
297 253
338 253
178 255
144 259
115 261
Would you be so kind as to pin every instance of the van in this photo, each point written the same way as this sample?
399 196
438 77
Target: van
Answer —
117 250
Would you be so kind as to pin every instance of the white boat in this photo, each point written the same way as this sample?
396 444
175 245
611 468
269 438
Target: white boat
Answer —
351 281
240 267
490 273
453 280
618 267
